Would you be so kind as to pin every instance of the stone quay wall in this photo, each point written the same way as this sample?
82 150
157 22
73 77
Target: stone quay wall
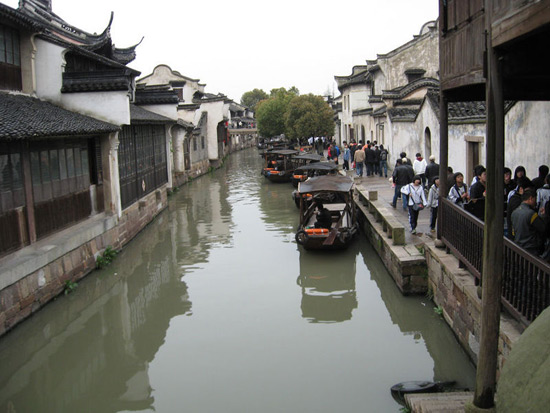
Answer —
35 275
421 268
455 293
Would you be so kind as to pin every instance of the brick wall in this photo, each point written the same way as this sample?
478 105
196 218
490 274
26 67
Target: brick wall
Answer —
32 291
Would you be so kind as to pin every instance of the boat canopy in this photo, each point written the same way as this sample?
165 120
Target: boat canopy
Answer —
326 183
318 166
284 152
309 157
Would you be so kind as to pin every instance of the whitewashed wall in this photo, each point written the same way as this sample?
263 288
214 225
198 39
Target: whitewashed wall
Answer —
528 136
112 107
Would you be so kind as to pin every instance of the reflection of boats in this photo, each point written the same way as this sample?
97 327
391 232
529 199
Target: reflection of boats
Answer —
303 172
328 286
279 165
338 190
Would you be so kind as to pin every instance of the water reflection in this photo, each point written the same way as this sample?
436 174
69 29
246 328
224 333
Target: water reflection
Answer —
101 339
415 317
328 285
202 313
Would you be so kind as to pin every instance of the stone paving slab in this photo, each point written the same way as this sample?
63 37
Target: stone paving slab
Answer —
454 402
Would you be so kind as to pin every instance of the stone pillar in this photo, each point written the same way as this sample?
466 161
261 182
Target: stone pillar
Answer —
111 176
177 148
169 158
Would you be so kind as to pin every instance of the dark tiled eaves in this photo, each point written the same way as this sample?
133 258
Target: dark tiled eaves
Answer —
19 19
156 96
367 111
143 116
25 117
463 112
401 92
103 81
403 114
381 111
184 124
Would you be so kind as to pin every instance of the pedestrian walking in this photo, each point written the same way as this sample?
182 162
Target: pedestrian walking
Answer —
346 156
416 200
432 170
359 159
383 161
402 175
433 202
419 166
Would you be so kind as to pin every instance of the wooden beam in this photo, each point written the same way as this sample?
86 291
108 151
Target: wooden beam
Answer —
493 249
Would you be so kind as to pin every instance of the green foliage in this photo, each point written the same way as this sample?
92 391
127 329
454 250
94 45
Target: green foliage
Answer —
438 310
405 410
309 115
253 97
286 112
106 258
70 286
270 113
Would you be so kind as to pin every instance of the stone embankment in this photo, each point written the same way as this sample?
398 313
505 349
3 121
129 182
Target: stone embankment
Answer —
419 267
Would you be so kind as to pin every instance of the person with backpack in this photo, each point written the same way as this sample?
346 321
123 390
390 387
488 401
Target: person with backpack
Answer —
383 161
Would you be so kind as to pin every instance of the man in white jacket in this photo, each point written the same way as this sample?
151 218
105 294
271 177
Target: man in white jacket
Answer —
419 166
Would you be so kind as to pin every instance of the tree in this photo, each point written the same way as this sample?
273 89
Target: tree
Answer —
252 98
309 115
270 113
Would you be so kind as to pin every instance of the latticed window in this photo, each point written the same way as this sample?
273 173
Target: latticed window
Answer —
10 59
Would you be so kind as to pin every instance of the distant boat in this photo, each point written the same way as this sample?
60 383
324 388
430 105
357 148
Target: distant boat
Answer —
279 166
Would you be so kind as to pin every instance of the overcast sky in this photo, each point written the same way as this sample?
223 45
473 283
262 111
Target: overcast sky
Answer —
236 46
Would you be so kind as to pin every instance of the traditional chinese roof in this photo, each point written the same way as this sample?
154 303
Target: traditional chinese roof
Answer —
360 75
19 19
463 112
402 91
26 117
40 12
156 95
140 115
202 97
184 124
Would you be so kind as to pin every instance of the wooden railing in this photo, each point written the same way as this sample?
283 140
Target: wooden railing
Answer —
525 278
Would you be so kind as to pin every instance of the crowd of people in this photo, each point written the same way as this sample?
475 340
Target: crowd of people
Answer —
526 201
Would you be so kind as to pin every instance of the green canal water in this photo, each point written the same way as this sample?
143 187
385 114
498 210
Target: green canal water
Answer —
215 308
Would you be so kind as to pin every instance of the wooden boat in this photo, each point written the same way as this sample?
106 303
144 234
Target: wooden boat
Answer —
301 173
301 161
278 165
311 170
336 194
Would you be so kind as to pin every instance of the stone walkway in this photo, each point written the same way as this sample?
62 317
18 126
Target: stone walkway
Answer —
385 194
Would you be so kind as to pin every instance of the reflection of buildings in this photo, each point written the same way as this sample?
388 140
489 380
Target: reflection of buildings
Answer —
96 349
202 217
328 285
420 321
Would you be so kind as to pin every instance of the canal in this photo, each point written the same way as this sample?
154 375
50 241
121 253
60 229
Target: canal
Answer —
214 308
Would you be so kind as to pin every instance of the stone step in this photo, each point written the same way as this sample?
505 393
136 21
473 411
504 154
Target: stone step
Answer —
451 402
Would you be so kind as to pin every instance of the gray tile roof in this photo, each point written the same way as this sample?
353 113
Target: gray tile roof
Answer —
24 117
140 115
